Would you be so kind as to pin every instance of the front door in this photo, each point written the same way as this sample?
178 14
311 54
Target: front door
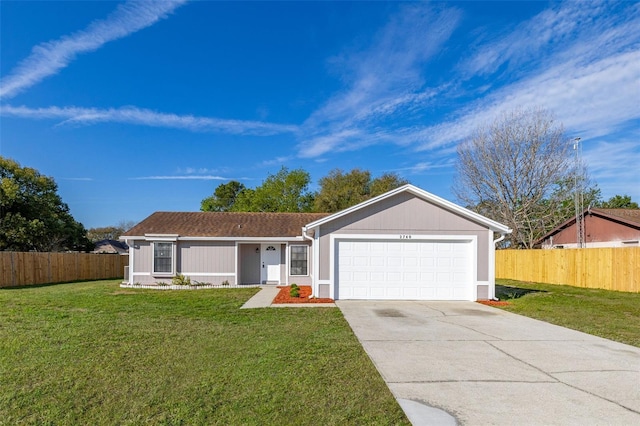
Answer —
270 264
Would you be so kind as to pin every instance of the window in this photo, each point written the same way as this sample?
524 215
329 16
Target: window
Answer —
299 260
163 258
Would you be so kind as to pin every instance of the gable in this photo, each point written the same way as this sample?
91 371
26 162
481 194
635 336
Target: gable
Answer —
448 206
402 212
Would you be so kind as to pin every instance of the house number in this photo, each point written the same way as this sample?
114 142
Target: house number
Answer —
405 237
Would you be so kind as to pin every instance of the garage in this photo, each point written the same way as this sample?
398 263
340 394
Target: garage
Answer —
406 244
405 269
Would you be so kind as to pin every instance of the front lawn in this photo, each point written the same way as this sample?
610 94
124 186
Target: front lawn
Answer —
93 353
613 315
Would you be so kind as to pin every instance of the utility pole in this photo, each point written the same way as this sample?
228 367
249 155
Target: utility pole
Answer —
579 196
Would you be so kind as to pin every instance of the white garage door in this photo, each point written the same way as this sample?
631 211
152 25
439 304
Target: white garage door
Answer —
404 270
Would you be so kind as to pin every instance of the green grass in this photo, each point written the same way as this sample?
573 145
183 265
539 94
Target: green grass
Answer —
613 315
93 353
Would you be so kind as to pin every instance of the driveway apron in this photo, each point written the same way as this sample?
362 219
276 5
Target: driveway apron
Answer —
470 364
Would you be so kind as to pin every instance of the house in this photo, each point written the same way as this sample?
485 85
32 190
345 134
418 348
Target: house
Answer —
111 247
602 228
406 244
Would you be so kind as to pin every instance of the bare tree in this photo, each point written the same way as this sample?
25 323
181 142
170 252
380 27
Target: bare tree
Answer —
507 170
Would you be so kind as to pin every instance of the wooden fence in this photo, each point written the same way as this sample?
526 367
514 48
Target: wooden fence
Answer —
607 268
23 269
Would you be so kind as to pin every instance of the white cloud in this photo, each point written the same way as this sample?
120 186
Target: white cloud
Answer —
582 63
200 170
426 166
184 177
50 57
138 116
591 83
614 166
277 161
383 81
320 145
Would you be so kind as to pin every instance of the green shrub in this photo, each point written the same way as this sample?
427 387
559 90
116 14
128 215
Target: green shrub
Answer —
181 280
225 283
294 292
294 285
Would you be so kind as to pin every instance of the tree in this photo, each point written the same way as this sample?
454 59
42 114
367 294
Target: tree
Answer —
562 199
286 191
103 233
619 202
109 232
339 190
223 198
386 183
32 214
508 169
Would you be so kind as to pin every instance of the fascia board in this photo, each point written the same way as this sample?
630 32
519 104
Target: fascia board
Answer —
188 238
241 239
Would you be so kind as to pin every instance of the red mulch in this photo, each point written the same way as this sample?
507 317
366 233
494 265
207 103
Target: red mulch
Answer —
493 302
305 292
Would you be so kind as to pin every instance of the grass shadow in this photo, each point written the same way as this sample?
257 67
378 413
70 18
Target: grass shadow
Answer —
504 292
28 286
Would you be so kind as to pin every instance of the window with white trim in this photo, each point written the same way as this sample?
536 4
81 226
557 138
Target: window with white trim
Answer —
299 260
163 258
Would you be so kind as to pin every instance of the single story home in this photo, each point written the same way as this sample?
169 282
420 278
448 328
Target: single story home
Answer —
602 228
406 244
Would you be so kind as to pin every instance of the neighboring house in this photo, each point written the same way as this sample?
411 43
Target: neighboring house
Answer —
406 244
602 228
112 247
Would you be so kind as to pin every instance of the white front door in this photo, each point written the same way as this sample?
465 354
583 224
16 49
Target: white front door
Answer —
270 263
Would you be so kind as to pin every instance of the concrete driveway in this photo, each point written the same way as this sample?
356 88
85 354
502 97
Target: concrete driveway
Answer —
466 363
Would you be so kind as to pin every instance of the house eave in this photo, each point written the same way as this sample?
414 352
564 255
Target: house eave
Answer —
191 238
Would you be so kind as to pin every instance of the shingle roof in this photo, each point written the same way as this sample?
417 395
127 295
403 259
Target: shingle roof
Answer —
111 246
224 224
630 215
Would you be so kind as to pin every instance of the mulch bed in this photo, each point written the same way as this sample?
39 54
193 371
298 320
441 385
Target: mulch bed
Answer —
493 302
305 292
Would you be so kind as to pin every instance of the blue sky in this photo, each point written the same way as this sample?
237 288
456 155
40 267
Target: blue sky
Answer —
138 107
